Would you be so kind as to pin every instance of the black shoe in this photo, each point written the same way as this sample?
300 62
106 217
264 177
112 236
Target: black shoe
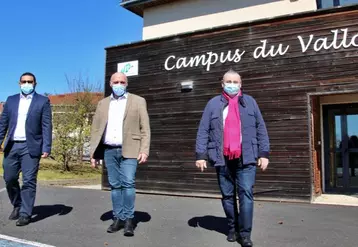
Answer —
15 214
232 236
23 221
245 242
128 228
116 226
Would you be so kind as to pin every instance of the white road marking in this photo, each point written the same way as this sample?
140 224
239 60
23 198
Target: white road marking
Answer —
3 189
24 241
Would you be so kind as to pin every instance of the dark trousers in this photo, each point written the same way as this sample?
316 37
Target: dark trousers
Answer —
16 159
235 177
121 177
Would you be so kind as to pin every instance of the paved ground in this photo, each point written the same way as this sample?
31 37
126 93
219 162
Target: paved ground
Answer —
69 217
347 200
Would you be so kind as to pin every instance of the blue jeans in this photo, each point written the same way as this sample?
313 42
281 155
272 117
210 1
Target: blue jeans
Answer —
16 159
235 177
121 177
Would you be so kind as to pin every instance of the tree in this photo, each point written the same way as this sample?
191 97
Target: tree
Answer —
72 121
64 143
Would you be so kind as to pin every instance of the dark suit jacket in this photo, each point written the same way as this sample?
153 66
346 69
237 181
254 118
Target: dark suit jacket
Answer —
38 123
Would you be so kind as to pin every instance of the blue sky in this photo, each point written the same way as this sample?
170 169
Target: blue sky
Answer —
55 38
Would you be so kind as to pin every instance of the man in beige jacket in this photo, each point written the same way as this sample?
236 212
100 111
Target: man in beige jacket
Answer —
121 136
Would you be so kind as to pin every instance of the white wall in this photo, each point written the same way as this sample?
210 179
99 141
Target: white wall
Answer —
190 15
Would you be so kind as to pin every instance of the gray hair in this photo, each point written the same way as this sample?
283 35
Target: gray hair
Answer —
232 72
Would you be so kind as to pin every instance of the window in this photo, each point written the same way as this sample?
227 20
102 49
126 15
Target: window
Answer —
323 4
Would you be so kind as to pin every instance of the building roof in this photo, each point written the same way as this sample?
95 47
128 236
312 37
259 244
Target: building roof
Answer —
137 6
70 98
246 24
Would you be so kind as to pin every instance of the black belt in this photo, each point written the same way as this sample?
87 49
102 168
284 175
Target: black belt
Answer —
18 141
111 147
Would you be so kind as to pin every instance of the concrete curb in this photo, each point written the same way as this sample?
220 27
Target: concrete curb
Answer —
70 182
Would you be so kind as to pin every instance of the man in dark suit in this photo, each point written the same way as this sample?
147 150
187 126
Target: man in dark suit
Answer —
27 122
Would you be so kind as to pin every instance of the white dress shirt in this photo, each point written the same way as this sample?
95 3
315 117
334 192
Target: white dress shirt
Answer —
24 105
225 112
114 131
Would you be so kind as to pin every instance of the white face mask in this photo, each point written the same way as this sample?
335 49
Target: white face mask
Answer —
27 88
119 89
232 88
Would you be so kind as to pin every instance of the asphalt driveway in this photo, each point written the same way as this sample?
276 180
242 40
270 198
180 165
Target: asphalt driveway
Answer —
67 217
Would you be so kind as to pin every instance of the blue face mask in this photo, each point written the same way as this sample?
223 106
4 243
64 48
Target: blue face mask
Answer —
119 89
27 88
231 88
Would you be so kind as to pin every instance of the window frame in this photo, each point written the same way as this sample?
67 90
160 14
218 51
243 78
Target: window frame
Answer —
335 3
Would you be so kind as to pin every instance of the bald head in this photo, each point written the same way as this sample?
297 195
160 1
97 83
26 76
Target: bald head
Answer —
119 78
118 84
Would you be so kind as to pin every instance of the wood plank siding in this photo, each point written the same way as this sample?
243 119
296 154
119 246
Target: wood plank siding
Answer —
279 84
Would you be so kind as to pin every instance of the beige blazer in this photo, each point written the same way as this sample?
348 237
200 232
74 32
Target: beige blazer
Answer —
136 128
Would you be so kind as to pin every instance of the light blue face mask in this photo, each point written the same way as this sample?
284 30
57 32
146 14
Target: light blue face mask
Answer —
119 89
27 88
232 88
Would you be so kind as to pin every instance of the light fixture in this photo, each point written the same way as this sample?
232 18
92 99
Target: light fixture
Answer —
186 85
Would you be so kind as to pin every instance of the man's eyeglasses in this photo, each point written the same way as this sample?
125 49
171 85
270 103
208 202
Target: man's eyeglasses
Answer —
23 82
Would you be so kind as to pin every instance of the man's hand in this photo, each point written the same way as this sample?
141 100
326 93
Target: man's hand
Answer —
263 163
142 158
94 163
1 150
44 155
201 164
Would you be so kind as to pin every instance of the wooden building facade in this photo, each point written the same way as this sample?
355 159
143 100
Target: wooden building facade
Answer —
302 71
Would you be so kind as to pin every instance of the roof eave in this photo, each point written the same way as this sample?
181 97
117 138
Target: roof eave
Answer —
138 6
135 6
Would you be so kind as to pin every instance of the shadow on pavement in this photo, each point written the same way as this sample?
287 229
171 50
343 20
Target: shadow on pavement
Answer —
44 211
211 223
139 217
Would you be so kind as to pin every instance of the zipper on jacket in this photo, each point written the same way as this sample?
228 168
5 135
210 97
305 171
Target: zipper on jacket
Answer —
222 132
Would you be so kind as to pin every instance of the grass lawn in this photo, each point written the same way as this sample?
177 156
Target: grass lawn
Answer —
51 170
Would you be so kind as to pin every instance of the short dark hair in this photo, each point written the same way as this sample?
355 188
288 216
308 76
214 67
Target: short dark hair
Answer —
29 74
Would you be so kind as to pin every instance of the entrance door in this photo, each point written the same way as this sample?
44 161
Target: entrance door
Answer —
340 124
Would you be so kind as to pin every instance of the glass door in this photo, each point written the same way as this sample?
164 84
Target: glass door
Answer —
341 147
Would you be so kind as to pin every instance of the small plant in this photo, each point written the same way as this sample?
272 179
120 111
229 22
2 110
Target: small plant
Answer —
72 122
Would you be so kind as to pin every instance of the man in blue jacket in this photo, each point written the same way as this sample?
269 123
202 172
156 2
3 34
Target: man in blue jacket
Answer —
232 136
26 120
